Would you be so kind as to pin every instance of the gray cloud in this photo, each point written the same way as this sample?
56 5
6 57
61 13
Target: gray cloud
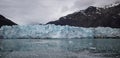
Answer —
42 11
82 4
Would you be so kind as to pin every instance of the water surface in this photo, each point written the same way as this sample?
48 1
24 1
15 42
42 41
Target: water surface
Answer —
60 48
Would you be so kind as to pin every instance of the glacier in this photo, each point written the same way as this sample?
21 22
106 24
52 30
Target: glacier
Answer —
56 31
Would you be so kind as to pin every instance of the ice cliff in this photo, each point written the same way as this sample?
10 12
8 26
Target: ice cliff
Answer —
56 31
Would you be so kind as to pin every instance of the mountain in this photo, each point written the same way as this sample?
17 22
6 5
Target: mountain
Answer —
92 17
5 21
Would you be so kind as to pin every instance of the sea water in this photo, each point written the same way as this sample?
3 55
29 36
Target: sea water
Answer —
60 48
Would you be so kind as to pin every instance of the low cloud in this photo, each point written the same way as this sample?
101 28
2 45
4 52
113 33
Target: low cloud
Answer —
43 11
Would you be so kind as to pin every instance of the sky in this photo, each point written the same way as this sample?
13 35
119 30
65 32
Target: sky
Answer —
25 12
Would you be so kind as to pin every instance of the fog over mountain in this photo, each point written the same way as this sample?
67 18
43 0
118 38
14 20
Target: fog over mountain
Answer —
42 11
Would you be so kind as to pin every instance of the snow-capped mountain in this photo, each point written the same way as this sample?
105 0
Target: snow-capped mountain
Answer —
92 17
5 21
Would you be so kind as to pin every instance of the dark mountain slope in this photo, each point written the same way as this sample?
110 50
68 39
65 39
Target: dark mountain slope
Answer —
92 17
5 21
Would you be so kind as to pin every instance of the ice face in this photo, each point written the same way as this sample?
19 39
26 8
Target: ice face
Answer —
106 32
53 31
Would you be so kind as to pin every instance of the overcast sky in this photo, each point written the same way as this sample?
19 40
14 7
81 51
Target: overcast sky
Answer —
42 11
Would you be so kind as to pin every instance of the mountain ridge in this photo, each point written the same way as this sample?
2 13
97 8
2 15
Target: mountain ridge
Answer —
92 17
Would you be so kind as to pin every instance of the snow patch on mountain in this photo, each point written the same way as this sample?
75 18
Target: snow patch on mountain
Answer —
108 5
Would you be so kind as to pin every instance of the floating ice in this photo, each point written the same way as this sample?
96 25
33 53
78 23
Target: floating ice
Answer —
53 31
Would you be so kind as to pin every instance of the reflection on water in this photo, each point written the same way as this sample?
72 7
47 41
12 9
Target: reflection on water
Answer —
59 48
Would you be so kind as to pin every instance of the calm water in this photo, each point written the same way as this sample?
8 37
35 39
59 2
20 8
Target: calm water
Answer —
60 48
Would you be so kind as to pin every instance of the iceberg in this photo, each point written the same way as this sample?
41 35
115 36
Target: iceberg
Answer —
56 31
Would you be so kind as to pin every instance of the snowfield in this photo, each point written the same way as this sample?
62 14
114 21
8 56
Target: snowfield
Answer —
56 31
